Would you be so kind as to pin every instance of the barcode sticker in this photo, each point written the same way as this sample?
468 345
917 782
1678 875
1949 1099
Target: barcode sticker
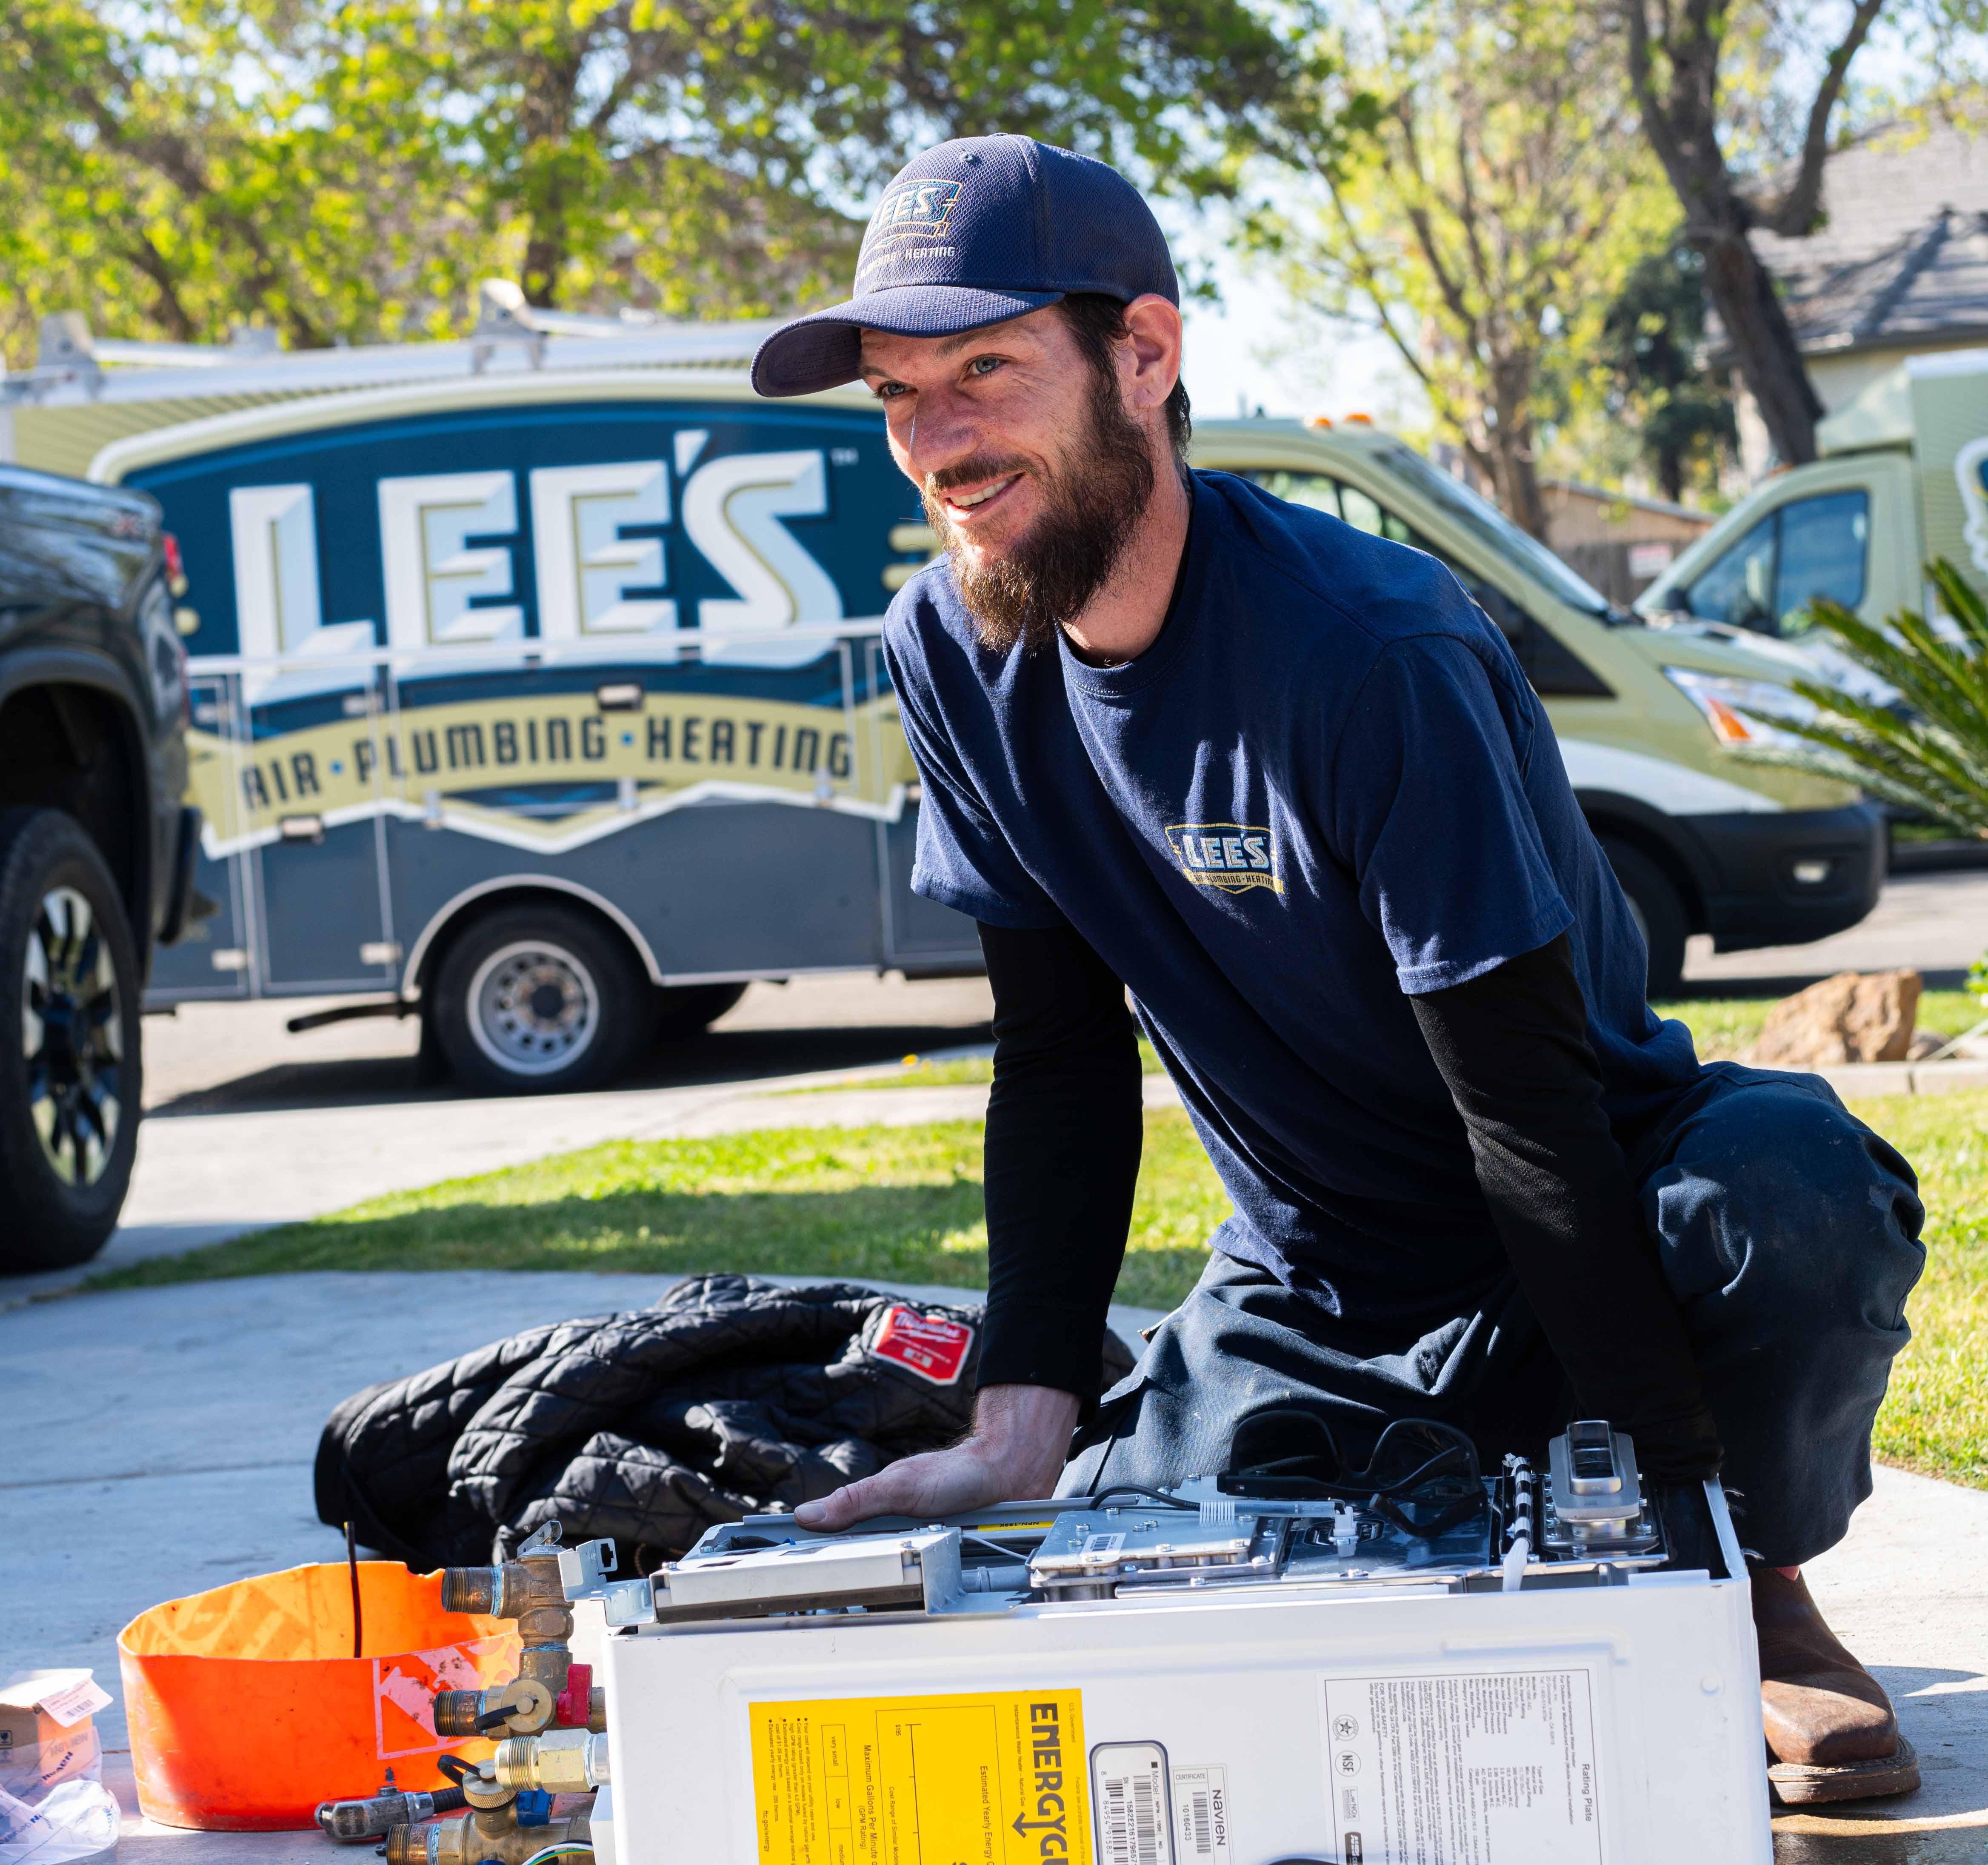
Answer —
1132 1805
1201 1815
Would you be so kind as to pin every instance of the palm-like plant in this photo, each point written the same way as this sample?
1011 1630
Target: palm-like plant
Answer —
1929 751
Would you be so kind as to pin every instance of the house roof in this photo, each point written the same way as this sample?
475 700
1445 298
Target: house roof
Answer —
1600 495
1902 255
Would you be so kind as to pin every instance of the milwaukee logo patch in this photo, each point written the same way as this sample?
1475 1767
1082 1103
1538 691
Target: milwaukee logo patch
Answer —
929 1346
1230 855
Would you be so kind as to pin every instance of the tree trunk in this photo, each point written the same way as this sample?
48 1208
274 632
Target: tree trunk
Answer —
546 255
1513 460
1763 340
1670 473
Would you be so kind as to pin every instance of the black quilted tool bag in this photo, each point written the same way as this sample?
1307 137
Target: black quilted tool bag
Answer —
731 1396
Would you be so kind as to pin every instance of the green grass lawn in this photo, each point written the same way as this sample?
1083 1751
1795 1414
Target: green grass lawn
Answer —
898 1204
1935 1416
904 1204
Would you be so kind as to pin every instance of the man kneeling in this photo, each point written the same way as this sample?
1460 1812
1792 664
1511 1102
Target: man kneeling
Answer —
1286 783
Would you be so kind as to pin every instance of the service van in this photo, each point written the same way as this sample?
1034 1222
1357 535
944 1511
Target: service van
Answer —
538 684
1902 478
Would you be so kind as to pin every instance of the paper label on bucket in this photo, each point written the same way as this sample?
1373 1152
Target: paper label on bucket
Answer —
405 1687
1489 1765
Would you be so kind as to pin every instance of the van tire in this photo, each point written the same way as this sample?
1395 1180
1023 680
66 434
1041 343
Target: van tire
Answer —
540 999
1660 915
72 1080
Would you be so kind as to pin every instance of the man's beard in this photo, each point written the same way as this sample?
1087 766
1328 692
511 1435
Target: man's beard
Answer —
1094 499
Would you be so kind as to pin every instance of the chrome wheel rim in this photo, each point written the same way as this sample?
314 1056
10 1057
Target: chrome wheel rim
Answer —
73 1038
533 1008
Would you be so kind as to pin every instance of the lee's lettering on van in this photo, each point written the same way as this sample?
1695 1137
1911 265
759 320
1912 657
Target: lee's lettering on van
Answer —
1230 855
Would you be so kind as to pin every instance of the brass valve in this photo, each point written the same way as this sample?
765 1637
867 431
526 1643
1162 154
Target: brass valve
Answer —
560 1761
522 1707
489 1831
528 1590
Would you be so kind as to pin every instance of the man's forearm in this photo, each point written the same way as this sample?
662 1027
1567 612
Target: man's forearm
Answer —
1513 1049
1064 1125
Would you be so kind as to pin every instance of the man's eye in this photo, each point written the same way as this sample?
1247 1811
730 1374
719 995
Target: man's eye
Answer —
983 365
889 392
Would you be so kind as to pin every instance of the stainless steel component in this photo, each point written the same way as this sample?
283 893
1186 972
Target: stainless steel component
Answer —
355 1822
1594 1494
1085 1556
920 1569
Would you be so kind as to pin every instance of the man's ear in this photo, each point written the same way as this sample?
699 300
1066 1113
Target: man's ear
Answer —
1151 365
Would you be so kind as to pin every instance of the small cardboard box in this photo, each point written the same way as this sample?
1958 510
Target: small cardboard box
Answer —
46 1734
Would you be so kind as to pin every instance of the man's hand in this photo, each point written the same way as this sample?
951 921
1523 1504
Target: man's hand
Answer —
1016 1450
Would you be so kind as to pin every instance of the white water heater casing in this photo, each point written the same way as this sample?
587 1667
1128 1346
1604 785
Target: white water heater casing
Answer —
1166 1707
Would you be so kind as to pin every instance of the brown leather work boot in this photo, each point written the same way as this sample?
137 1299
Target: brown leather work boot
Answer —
1831 1734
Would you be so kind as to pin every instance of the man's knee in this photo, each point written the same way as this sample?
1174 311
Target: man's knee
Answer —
1779 1200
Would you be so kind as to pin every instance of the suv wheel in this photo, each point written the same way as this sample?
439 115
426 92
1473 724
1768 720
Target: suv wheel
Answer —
70 1075
1658 913
538 1000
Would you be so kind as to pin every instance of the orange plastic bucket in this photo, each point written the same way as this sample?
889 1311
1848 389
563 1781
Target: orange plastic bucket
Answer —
247 1707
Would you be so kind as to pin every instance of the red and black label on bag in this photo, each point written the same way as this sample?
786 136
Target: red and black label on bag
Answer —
932 1346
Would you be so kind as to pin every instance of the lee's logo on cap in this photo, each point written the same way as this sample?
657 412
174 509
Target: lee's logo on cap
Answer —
914 207
929 1346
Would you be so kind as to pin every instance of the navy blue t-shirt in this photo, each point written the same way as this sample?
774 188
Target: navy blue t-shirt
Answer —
1325 788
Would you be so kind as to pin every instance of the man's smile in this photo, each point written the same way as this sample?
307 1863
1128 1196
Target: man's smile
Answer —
970 505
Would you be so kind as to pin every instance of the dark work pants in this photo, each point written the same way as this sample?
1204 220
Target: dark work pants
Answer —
1787 1230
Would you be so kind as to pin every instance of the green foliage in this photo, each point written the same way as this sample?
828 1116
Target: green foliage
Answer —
1681 410
1929 751
1475 182
344 169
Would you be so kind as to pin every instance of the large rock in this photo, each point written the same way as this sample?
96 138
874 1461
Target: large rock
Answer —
1852 1017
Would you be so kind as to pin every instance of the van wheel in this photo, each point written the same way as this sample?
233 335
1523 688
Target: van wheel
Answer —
1658 912
683 1010
70 1075
539 1000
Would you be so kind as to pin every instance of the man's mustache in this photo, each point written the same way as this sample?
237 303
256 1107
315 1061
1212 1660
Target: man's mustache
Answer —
976 471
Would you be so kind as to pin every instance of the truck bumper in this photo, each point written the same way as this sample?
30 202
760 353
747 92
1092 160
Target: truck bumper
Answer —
186 858
1791 876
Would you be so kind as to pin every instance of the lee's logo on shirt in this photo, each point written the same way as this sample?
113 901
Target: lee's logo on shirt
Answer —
1230 855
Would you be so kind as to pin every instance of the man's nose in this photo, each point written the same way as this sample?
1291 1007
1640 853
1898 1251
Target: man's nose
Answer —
942 431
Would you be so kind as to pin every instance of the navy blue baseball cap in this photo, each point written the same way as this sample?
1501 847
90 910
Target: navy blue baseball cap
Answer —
970 233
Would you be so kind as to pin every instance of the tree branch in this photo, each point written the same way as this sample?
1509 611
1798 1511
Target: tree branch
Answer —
1798 210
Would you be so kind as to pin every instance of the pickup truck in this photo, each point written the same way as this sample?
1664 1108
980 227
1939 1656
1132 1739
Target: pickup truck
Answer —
97 847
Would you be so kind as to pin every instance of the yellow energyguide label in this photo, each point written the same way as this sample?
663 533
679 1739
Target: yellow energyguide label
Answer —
994 1778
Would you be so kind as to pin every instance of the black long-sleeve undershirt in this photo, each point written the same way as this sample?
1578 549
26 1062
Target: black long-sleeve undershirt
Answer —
1511 1047
1064 1126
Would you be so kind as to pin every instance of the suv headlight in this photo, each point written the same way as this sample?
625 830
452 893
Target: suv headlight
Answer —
1732 707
